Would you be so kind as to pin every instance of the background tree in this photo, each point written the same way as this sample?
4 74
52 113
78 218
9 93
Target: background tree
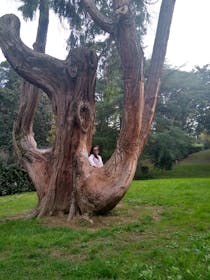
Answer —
10 88
12 178
9 94
63 178
203 104
179 118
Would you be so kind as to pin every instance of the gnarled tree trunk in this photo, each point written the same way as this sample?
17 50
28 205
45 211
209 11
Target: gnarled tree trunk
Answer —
64 180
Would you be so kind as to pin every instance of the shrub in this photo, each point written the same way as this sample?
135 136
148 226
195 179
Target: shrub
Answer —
143 172
195 148
13 180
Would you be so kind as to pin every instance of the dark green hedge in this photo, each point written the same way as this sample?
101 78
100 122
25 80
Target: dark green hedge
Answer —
13 180
143 172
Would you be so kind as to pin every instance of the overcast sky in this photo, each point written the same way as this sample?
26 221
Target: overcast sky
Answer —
189 42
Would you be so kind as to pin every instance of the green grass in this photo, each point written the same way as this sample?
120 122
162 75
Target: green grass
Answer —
202 157
13 205
187 170
161 230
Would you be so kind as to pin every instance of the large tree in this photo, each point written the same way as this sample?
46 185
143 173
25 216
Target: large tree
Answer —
64 180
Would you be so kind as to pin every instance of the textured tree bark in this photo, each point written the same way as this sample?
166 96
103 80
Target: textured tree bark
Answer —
64 180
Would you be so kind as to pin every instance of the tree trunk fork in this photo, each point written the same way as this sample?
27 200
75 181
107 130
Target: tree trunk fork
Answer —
64 180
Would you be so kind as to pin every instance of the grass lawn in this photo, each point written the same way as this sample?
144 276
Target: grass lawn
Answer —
161 230
185 170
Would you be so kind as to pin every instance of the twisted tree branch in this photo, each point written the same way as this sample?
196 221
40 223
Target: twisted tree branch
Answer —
39 69
104 22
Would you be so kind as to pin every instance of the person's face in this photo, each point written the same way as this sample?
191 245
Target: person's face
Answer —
95 151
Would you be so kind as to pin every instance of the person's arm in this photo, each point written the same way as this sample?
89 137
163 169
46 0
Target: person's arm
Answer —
101 161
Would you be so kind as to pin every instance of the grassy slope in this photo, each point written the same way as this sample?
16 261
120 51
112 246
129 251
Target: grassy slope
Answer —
161 230
197 165
202 157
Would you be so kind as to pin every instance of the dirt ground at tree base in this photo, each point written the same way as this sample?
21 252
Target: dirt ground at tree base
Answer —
121 215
